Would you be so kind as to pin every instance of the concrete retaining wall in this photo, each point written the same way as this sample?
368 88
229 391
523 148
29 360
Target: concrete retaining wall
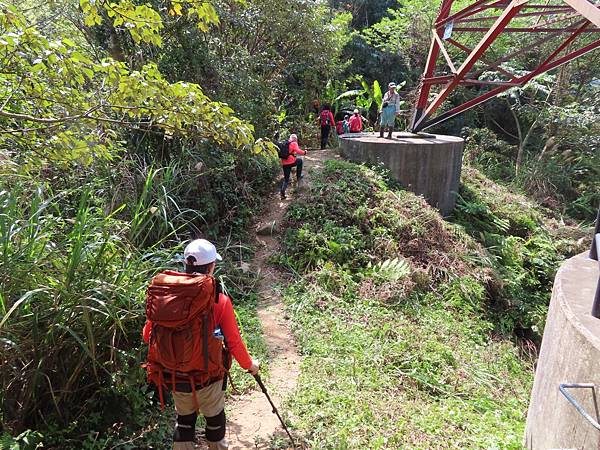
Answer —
570 353
428 166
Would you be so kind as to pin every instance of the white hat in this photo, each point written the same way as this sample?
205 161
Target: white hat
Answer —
356 111
391 85
202 251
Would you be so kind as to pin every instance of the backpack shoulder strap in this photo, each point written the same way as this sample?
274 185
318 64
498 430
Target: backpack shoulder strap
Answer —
218 290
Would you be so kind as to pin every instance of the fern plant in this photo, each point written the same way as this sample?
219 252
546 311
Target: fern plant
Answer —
390 269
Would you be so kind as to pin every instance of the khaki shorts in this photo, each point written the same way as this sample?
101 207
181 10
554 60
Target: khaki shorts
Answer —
211 400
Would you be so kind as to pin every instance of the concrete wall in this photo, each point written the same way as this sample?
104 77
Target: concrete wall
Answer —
427 166
570 353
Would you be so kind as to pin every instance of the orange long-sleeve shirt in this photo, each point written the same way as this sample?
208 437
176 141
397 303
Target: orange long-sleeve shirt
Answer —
225 319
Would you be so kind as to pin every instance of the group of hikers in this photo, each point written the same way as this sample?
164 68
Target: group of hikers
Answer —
191 329
390 108
290 150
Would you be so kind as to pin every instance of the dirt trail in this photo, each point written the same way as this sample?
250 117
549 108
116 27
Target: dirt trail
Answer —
250 422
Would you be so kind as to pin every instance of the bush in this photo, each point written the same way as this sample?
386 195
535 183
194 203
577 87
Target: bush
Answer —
526 246
561 176
484 150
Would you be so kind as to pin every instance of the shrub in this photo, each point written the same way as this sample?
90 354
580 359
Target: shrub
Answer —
526 246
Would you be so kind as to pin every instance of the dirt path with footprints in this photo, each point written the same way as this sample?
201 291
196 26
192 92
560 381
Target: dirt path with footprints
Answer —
250 422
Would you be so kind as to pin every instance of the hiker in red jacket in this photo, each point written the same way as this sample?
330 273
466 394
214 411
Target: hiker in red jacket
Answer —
356 122
326 120
200 257
291 161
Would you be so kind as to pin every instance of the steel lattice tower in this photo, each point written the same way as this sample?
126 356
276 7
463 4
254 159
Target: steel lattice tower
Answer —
563 29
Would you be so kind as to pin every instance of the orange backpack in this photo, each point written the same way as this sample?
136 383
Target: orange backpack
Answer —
182 345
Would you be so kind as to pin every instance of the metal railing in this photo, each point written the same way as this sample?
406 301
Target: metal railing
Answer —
563 389
594 255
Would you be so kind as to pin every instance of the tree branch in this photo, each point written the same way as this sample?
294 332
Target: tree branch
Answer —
30 118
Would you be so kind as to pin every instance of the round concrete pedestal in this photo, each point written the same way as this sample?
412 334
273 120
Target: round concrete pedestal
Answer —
570 353
428 165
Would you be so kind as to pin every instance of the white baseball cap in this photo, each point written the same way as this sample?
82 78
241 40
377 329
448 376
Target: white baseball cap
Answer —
202 251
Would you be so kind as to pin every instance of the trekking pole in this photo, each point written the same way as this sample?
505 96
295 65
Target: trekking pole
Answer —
264 390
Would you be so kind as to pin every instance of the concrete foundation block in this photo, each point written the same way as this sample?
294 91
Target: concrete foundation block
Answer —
428 165
570 353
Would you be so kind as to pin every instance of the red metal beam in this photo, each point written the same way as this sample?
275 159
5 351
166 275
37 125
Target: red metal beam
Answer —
565 44
527 30
438 80
569 57
529 47
548 64
530 14
586 9
482 46
521 81
587 13
441 21
434 50
469 81
529 6
492 65
444 52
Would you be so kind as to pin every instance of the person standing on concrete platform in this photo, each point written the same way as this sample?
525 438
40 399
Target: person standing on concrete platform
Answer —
390 108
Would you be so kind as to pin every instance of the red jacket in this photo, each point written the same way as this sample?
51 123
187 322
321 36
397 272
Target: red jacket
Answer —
294 150
323 118
356 123
224 319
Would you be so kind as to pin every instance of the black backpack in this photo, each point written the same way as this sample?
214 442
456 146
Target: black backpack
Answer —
283 149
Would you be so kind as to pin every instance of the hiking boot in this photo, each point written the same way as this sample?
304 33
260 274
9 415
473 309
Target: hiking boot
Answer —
389 136
282 194
381 133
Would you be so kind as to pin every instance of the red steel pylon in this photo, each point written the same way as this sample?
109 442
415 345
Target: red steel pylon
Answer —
569 28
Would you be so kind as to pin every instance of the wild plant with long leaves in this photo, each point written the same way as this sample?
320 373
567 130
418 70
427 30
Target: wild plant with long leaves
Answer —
71 300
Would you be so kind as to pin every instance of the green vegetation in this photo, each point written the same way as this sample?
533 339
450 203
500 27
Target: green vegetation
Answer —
525 245
129 127
405 320
74 273
118 144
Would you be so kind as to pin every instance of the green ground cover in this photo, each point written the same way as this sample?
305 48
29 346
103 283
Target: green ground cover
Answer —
397 313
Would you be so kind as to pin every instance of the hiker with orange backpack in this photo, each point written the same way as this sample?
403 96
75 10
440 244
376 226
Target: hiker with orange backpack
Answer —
191 329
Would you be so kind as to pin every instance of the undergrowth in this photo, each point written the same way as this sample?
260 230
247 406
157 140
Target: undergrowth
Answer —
525 245
396 313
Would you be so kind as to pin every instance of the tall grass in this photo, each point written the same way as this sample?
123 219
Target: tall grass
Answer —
76 253
72 300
